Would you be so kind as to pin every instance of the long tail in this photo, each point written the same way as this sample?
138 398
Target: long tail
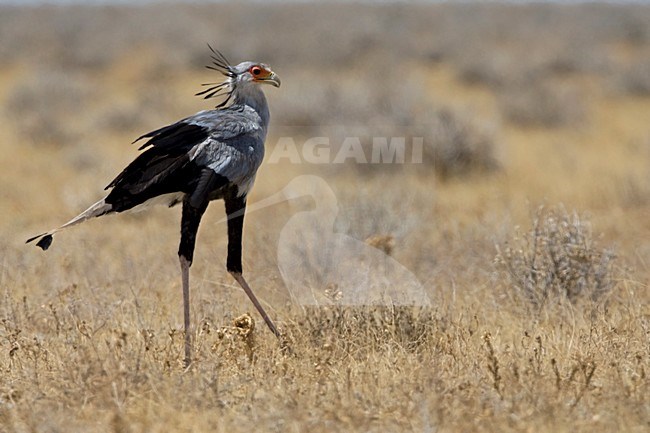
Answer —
98 209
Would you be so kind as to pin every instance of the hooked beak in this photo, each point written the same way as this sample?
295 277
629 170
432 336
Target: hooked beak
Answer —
272 79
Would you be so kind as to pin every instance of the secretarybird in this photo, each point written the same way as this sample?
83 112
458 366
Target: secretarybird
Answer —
211 155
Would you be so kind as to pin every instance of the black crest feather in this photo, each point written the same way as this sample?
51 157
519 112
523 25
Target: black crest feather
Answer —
226 88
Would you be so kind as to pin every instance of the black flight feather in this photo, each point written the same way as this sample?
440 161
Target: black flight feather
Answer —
167 146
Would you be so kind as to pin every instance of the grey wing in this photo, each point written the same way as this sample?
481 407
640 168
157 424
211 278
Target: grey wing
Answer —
230 123
176 156
236 159
234 150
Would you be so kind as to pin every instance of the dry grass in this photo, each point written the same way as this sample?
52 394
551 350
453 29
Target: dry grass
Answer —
90 332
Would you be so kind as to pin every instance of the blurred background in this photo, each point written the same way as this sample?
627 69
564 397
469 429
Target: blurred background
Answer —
518 103
534 187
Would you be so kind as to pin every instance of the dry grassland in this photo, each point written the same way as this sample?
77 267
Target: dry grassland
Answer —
540 319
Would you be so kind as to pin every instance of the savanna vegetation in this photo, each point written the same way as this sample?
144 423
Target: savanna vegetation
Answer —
527 221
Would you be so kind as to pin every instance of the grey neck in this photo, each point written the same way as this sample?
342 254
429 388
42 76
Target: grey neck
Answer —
250 94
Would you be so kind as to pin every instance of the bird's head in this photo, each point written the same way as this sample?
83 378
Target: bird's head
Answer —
243 74
259 73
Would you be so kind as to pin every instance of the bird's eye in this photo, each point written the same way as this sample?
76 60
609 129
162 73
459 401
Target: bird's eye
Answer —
256 70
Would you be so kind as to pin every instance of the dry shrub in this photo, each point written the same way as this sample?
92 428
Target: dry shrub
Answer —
364 217
354 103
493 67
557 259
39 106
542 104
457 147
636 79
453 144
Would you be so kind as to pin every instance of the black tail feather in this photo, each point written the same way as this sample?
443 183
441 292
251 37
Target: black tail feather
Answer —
44 243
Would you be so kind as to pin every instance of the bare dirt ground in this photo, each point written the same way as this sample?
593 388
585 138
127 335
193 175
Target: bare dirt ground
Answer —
540 318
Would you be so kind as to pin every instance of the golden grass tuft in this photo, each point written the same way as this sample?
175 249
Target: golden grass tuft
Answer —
385 243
